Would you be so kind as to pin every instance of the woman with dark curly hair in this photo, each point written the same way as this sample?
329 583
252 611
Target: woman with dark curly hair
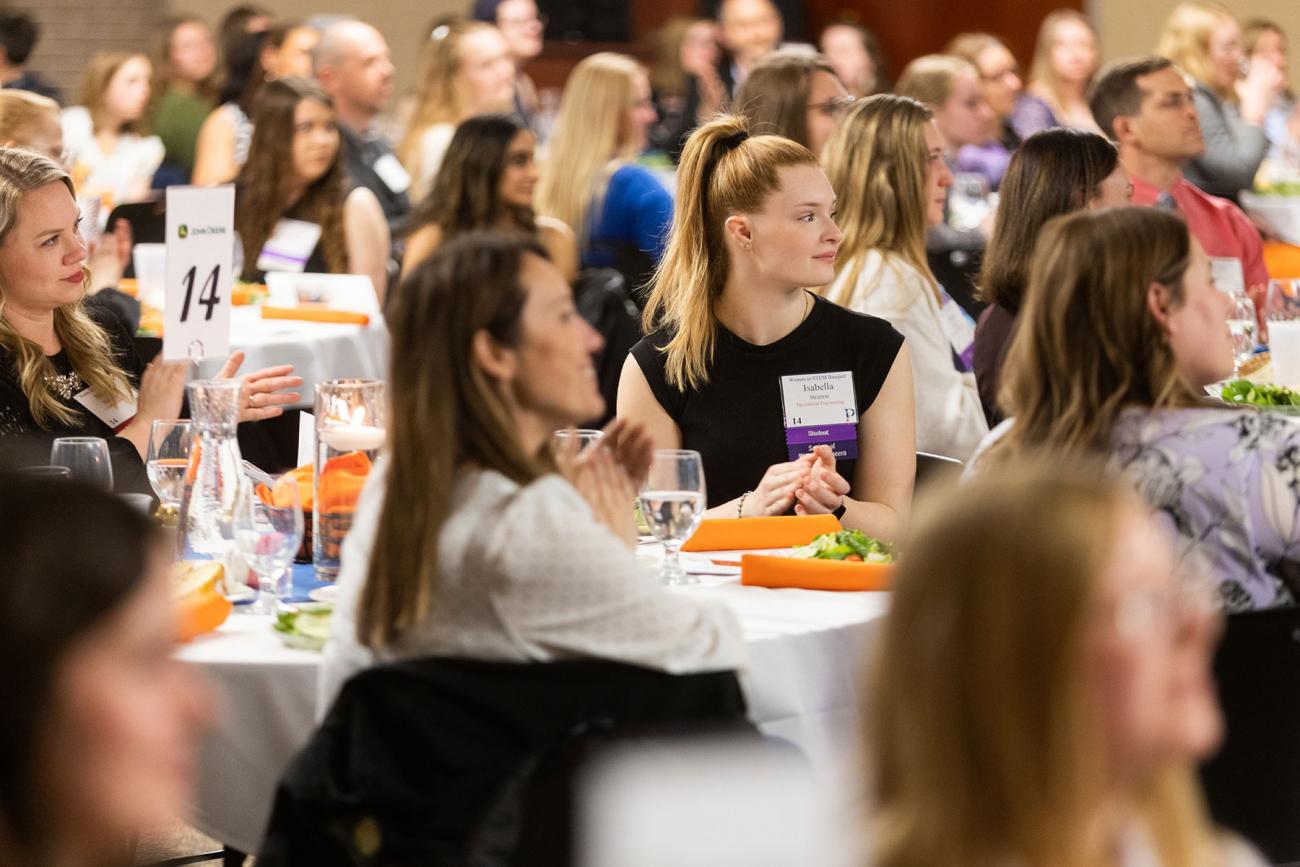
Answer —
293 188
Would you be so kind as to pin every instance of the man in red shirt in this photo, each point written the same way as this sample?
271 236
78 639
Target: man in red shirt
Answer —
1146 106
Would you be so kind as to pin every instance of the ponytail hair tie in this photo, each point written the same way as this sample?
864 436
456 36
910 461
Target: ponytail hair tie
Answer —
733 141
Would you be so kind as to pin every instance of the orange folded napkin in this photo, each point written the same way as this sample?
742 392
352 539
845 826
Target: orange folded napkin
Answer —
758 570
279 497
315 314
341 482
1282 260
775 531
245 294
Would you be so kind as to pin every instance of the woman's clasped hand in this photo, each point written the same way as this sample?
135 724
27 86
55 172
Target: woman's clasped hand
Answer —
809 484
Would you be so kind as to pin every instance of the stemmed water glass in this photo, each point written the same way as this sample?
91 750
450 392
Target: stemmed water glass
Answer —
167 460
672 503
87 459
268 529
1242 323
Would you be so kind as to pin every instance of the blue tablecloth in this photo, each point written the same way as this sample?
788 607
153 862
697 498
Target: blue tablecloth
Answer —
304 581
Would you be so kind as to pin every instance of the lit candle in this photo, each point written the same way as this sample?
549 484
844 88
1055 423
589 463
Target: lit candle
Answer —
353 437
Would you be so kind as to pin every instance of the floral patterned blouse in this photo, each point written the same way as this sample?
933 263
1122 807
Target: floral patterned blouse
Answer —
1229 481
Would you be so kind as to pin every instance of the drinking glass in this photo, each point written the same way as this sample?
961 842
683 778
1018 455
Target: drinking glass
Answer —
47 473
86 458
166 461
1282 318
584 436
1242 323
672 503
268 530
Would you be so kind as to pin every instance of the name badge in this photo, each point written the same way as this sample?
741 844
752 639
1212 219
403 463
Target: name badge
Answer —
959 328
289 246
1228 275
390 171
820 409
113 416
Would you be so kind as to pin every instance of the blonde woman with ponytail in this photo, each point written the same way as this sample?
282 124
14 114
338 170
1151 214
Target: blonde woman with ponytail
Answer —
468 542
886 161
67 367
742 362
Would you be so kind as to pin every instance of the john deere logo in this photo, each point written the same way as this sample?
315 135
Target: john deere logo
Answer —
183 231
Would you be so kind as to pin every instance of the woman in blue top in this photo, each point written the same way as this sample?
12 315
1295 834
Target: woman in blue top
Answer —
619 210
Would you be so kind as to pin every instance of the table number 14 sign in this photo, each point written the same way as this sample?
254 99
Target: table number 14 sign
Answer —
200 244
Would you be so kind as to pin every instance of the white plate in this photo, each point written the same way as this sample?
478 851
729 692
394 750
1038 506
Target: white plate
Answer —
324 594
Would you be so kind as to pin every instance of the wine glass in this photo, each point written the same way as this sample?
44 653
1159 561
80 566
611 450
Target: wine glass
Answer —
672 503
268 530
86 458
585 437
1242 323
167 461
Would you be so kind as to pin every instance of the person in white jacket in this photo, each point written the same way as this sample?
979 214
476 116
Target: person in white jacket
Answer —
886 163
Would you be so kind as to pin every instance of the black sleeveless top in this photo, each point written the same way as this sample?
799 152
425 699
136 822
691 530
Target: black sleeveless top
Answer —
736 421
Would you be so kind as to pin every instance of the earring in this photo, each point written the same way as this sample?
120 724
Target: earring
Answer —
748 244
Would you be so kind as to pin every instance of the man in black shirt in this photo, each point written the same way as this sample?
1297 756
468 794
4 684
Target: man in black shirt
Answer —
353 67
18 35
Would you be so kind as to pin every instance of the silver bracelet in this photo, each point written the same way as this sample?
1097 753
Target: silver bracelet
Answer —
740 510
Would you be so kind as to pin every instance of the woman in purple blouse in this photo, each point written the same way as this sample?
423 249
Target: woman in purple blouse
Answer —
1121 331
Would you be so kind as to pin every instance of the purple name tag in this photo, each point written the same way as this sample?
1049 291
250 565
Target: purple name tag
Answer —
842 438
820 409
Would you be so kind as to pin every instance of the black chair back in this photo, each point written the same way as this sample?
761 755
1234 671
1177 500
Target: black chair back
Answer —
602 299
930 468
1252 785
421 760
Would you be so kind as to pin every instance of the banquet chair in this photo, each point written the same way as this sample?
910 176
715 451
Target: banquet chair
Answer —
930 468
1252 785
601 297
442 761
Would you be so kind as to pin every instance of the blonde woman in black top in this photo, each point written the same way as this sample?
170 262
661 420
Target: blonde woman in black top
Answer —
793 402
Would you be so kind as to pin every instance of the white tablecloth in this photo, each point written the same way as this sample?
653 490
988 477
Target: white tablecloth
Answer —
317 350
802 683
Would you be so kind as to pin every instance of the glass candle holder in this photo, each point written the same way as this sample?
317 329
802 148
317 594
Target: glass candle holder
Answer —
349 434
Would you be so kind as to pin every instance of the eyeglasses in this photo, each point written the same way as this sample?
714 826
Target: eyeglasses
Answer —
1001 74
832 107
1139 613
520 23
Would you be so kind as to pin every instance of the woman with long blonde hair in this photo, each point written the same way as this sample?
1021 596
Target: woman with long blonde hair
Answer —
886 161
489 359
67 368
619 210
1065 61
794 403
1203 39
467 71
1121 330
1042 688
109 151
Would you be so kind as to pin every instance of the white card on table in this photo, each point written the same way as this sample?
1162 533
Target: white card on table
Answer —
114 416
390 171
196 313
289 246
1228 275
306 438
820 409
353 292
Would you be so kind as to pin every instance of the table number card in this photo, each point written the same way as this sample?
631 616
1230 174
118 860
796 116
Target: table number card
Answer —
200 244
820 409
